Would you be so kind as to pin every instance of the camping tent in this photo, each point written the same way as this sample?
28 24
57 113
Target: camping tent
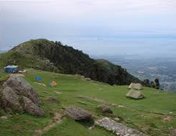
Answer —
53 84
38 78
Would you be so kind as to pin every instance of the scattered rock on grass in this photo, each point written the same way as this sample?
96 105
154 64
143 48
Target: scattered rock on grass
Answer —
78 114
57 92
173 132
17 95
121 106
118 128
105 109
30 107
167 119
135 86
52 100
4 117
134 94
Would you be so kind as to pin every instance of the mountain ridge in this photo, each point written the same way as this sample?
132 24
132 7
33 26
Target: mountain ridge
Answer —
54 56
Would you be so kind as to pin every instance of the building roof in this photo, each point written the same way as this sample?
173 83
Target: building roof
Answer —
11 66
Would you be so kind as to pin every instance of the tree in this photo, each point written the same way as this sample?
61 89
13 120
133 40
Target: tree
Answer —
157 84
152 84
147 82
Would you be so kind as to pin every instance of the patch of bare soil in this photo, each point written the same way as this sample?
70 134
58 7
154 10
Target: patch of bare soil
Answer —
55 121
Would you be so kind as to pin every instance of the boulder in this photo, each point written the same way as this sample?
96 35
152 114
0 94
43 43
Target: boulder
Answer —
17 95
135 86
22 87
52 100
117 128
134 94
78 114
10 100
30 107
104 109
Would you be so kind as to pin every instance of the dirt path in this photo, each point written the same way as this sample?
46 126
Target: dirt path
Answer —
55 120
16 75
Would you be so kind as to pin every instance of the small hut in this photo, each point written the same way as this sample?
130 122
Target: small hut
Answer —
11 69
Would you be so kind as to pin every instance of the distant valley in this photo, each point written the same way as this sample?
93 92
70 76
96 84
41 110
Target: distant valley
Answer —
149 68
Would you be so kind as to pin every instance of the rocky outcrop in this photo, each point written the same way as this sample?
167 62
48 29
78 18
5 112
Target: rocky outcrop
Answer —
54 56
17 95
78 114
118 128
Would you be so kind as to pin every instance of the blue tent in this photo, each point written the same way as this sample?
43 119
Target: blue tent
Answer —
11 69
38 78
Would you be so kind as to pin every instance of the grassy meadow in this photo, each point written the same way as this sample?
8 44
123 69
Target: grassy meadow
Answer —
148 115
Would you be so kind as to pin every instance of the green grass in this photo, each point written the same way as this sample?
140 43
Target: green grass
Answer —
72 128
146 115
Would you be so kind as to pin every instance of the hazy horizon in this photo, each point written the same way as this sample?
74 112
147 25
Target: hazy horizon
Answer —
129 27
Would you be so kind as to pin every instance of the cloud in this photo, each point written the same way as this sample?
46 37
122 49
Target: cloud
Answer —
91 7
95 12
27 18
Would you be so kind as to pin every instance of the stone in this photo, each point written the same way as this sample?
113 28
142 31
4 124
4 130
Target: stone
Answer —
22 87
78 114
52 100
10 100
4 117
168 119
105 109
117 128
135 86
17 95
134 94
31 108
173 132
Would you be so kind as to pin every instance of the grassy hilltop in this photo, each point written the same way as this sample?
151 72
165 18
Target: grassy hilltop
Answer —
53 56
147 115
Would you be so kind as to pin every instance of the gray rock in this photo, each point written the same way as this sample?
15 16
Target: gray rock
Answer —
105 109
22 87
17 95
52 100
173 132
134 94
78 114
135 86
10 100
118 128
31 108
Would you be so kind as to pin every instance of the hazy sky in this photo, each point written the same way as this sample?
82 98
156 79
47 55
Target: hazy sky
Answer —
73 21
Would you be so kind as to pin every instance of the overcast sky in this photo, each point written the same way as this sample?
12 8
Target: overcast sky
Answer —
72 21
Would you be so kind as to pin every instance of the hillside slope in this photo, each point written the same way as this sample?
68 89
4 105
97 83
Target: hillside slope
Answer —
155 115
53 56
